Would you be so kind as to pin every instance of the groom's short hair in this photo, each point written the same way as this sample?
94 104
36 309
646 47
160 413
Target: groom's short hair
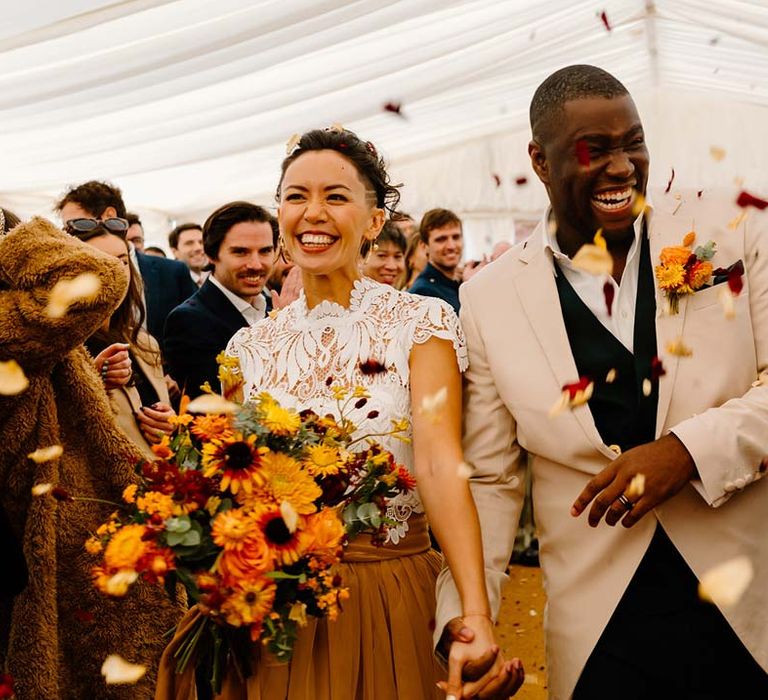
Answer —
569 83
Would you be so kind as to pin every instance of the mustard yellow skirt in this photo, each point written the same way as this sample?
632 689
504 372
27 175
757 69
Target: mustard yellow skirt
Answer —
379 648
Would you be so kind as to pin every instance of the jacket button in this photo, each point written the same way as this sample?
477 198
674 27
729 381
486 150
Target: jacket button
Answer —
740 483
729 486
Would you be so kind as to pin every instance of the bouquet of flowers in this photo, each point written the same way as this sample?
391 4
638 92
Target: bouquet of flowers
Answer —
249 507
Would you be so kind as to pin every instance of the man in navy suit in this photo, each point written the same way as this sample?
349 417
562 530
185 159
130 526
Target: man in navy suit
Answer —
240 240
166 282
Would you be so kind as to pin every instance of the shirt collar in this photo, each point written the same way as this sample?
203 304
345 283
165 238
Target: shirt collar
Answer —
259 303
549 238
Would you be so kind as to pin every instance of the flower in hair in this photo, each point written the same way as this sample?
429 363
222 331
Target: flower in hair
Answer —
371 149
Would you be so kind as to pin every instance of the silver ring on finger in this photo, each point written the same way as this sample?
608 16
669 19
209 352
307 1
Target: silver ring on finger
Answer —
628 505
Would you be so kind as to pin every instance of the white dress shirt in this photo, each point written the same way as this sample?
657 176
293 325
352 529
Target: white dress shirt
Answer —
199 277
589 287
251 313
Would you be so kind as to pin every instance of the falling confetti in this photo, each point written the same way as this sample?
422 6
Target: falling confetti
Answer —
725 297
119 583
290 516
689 239
717 153
593 259
12 378
745 199
116 670
522 180
670 181
464 471
370 367
638 204
734 223
605 21
67 292
636 487
582 153
46 454
647 387
394 108
41 489
432 405
573 395
496 179
211 403
657 369
610 378
726 583
609 292
678 348
292 143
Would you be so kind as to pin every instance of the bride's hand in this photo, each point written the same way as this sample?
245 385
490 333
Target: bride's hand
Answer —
476 663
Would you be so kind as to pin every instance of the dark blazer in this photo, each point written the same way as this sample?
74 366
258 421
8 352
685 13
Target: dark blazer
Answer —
197 331
167 283
433 283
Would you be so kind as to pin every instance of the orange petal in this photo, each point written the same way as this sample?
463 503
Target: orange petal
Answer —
12 378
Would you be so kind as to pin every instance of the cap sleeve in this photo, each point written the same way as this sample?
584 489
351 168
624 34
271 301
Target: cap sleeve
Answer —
435 318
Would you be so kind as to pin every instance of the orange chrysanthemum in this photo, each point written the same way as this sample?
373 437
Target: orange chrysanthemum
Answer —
126 547
287 481
675 255
699 274
210 427
237 459
230 529
163 448
670 277
249 603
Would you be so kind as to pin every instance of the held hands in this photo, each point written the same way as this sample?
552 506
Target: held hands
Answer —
476 668
114 365
153 421
667 466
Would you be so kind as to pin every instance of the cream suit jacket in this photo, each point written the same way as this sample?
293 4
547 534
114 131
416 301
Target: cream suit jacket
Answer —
519 360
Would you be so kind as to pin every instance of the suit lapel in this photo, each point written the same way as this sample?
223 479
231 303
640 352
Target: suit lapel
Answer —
221 307
537 291
668 327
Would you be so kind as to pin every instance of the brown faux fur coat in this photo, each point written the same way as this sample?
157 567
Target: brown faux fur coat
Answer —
58 631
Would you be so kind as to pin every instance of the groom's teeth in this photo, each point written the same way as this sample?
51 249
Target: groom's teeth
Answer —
613 200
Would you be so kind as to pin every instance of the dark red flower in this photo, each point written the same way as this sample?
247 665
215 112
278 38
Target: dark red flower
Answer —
609 292
670 181
582 152
604 20
657 369
372 366
746 199
405 480
520 181
576 387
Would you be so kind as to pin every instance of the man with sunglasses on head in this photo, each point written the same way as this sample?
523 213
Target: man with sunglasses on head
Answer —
166 282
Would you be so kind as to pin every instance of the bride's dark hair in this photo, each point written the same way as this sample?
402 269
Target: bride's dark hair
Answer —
363 155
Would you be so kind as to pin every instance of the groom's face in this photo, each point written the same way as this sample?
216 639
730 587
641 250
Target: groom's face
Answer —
592 163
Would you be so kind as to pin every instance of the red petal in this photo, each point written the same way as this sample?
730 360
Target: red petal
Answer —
698 194
582 152
608 293
574 388
496 179
84 615
522 180
394 108
736 278
748 200
604 18
657 369
671 180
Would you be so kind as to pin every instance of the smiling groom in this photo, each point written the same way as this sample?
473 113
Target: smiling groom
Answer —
622 565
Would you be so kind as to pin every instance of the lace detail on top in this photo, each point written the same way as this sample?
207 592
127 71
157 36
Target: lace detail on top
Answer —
292 355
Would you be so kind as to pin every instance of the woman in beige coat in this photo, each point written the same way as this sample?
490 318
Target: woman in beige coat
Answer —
55 635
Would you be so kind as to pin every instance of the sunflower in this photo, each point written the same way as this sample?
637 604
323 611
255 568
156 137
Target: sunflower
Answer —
322 460
285 546
670 276
287 481
210 427
250 602
279 420
126 547
237 458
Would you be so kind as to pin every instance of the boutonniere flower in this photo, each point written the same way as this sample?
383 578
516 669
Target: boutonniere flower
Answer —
683 271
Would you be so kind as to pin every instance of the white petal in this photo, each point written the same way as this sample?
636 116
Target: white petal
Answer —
290 516
116 670
464 470
41 489
725 297
211 403
725 584
66 292
12 378
610 378
433 404
46 454
636 487
647 387
593 259
118 584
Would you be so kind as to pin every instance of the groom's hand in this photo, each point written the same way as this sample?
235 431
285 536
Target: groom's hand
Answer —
666 465
480 679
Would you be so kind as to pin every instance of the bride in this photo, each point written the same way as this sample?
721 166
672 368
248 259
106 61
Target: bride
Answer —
407 351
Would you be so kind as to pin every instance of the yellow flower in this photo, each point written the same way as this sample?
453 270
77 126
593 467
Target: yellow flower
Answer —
182 419
339 392
298 613
211 426
287 481
212 505
675 255
322 460
237 459
230 529
93 545
129 493
126 547
670 277
163 448
360 392
250 602
154 502
400 426
279 420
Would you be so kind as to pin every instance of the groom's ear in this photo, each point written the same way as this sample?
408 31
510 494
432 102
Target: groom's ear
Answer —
539 161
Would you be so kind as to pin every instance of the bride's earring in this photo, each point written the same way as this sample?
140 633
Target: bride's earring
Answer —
374 247
281 250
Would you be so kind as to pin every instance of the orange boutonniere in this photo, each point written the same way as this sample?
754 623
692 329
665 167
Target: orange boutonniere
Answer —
684 271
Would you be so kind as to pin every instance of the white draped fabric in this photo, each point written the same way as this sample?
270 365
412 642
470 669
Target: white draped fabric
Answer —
186 104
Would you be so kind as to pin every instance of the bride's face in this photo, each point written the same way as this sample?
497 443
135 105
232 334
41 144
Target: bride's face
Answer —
325 212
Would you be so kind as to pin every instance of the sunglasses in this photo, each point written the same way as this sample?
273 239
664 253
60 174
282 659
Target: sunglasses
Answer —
113 225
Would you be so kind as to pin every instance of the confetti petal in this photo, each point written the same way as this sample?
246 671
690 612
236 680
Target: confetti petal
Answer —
394 108
593 259
636 487
433 404
41 489
609 292
290 516
669 182
496 179
734 223
745 199
46 454
726 583
118 584
605 21
67 292
638 204
573 395
211 403
678 348
657 369
610 378
464 470
116 670
520 181
12 378
647 387
717 153
582 153
292 143
725 297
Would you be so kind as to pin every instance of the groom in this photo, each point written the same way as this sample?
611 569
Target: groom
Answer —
622 566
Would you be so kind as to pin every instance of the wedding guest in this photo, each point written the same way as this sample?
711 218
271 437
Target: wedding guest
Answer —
384 260
135 233
415 260
56 633
441 233
154 251
125 355
186 243
665 426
